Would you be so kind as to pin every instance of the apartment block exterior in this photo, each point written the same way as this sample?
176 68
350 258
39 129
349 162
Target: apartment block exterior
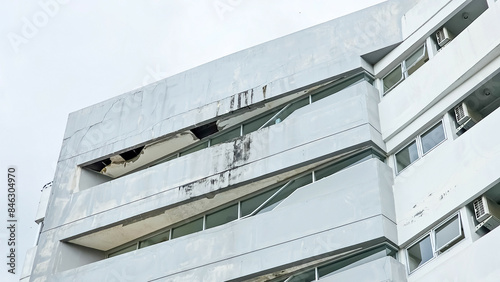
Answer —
361 149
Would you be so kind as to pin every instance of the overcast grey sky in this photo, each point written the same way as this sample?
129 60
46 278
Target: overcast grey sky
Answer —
58 56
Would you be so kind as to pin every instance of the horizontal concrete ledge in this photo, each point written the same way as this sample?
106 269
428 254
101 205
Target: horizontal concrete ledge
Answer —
220 256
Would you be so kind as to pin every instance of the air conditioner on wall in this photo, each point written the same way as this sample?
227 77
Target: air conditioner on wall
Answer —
487 213
465 116
443 36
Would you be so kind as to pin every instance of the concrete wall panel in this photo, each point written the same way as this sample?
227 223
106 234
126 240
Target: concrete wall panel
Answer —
297 231
260 153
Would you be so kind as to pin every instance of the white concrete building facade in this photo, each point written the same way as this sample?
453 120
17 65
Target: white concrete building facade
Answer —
361 149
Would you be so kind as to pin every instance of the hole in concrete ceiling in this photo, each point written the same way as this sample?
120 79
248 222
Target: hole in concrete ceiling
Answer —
205 130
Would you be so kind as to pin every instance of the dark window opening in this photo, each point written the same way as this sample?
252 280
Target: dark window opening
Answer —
205 130
131 154
99 165
128 155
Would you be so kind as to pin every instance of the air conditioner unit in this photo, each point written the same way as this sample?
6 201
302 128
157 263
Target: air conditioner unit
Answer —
487 213
443 36
465 116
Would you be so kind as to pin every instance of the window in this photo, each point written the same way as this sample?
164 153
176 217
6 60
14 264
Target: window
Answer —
162 237
393 78
405 68
432 137
448 233
407 155
438 240
188 228
222 216
420 146
123 250
420 253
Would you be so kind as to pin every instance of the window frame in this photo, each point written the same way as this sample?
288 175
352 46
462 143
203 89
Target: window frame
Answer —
421 58
405 68
432 236
437 144
404 147
418 142
414 243
400 65
453 241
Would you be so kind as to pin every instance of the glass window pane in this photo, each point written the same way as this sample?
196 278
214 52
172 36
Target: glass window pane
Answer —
201 146
339 86
304 277
416 60
286 112
355 260
124 250
162 237
188 228
221 217
248 206
283 194
226 136
393 78
257 123
448 233
432 137
419 253
419 54
406 156
336 167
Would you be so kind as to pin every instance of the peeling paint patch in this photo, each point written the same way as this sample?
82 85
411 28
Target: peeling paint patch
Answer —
419 214
444 194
